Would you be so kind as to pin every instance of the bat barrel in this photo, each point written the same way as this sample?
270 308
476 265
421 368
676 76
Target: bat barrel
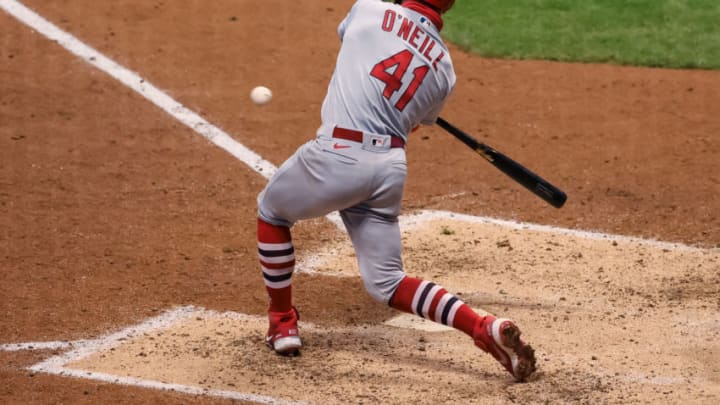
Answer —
531 181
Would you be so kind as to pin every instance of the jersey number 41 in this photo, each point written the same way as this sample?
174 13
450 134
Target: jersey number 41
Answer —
384 72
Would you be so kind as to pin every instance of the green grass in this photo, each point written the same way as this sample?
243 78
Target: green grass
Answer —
658 33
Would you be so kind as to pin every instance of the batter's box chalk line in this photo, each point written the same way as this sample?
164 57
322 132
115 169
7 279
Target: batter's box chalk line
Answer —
416 219
216 135
85 348
81 349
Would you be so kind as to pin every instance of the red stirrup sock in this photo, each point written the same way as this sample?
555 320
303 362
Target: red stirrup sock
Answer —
433 302
277 259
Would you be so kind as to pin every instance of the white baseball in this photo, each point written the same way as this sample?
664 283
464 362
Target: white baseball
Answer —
261 95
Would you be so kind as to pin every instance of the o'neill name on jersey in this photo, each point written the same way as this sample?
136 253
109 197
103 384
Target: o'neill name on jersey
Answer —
414 35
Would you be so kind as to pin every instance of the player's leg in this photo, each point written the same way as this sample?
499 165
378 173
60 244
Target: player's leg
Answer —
314 182
498 336
377 242
309 184
277 260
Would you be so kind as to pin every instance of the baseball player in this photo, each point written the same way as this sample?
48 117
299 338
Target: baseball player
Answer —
393 73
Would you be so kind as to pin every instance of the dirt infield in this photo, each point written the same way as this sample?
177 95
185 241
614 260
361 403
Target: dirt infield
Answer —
112 212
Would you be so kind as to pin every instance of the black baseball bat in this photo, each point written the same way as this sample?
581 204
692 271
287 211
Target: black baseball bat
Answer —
531 181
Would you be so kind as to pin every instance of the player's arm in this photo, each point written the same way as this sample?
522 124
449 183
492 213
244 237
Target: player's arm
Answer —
431 117
347 20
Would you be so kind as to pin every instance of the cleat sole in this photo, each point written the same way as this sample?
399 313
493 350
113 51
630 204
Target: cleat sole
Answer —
526 362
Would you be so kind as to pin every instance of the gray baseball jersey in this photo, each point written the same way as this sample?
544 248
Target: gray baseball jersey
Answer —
393 72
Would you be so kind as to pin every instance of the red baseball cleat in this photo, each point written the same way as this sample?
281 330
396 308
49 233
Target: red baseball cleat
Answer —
283 336
501 338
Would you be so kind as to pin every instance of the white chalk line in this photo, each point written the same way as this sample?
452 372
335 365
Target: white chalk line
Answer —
418 217
140 85
18 347
242 153
86 348
239 151
57 365
309 264
185 389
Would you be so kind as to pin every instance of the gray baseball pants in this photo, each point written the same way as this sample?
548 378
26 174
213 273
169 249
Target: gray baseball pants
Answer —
364 183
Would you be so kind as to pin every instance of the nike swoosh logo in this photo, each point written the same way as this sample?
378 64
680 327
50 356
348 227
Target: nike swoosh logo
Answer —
340 146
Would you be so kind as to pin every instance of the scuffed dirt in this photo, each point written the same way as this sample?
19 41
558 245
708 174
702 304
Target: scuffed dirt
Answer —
111 212
594 309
